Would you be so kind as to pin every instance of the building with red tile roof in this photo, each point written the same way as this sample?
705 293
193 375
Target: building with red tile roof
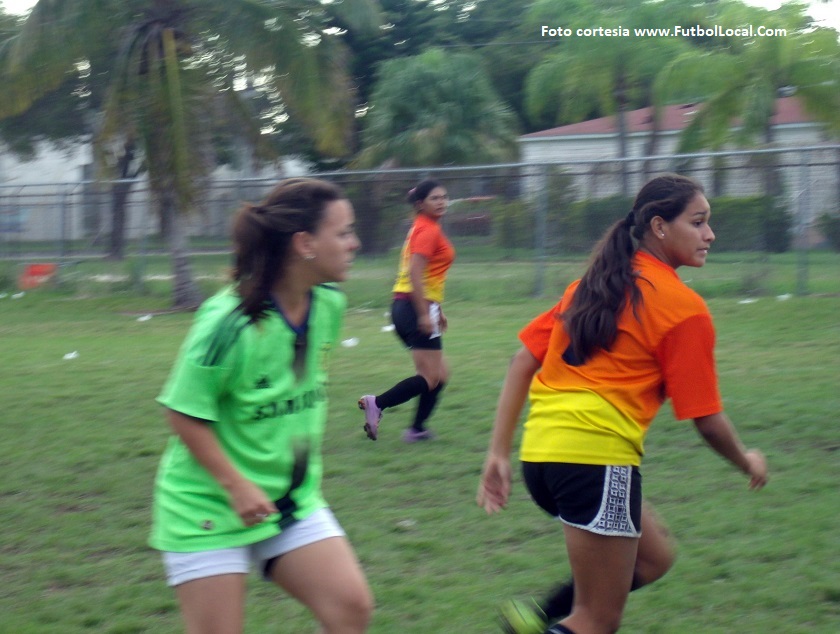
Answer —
598 138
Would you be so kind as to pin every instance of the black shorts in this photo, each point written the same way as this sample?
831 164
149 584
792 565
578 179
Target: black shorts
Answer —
405 323
600 499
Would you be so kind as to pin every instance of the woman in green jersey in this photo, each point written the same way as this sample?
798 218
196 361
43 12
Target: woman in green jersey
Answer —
240 480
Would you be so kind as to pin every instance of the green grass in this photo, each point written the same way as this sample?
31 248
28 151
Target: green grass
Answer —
80 441
480 274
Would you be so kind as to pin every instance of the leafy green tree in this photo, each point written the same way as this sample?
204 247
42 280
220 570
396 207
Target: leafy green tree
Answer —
411 28
601 75
742 81
175 59
437 108
738 85
509 46
408 29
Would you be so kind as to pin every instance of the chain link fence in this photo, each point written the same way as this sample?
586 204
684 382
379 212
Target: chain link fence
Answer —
763 202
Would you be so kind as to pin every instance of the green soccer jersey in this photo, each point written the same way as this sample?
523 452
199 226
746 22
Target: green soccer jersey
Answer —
268 419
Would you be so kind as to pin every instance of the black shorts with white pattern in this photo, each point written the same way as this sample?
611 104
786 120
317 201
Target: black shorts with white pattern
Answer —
606 500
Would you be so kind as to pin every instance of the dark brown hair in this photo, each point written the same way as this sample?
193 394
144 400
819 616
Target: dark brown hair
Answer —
262 235
421 190
600 298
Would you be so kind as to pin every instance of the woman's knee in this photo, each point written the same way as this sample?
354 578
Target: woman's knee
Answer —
348 613
432 366
657 548
433 374
436 376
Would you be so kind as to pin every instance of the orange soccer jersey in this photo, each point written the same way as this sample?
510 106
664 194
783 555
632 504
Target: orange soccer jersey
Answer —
426 238
599 412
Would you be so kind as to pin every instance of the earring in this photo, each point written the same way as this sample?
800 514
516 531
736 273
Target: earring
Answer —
661 235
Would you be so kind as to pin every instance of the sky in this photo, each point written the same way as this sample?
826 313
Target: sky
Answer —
829 12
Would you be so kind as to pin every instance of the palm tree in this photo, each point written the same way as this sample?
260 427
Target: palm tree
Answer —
175 58
436 108
599 76
742 82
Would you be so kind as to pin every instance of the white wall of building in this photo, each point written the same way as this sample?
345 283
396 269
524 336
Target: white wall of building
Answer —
818 184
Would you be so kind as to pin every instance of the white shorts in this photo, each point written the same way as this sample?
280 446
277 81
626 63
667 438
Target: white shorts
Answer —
183 567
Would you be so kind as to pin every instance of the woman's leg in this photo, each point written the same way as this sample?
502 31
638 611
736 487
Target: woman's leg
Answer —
656 555
427 383
326 577
432 366
602 568
400 393
657 549
213 605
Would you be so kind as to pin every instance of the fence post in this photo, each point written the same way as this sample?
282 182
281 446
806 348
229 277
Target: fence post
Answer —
541 227
65 222
803 213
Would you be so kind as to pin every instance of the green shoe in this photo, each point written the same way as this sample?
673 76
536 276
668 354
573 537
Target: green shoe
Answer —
522 617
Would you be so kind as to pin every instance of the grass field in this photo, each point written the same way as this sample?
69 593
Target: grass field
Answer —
80 440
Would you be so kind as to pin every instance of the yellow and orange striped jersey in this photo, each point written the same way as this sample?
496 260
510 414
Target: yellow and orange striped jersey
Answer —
599 412
426 238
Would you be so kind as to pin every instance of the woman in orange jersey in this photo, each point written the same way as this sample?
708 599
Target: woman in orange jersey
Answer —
596 368
416 312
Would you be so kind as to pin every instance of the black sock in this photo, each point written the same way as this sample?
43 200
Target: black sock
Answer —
558 604
427 403
403 391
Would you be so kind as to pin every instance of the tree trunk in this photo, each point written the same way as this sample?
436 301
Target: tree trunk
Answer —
119 197
837 180
621 124
185 293
772 174
653 141
165 227
718 176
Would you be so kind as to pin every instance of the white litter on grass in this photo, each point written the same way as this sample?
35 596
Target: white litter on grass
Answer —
352 342
71 355
18 295
749 300
784 297
3 295
144 318
387 328
406 525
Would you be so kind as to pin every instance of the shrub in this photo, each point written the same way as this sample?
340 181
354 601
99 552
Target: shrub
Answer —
829 225
777 225
586 221
8 279
754 223
513 224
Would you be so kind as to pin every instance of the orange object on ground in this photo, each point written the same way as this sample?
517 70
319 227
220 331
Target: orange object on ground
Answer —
36 274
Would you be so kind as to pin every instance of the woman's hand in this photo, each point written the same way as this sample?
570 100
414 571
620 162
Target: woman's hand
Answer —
718 431
494 487
424 323
247 499
250 502
757 469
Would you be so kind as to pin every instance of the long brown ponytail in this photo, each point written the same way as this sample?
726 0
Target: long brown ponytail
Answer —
601 296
